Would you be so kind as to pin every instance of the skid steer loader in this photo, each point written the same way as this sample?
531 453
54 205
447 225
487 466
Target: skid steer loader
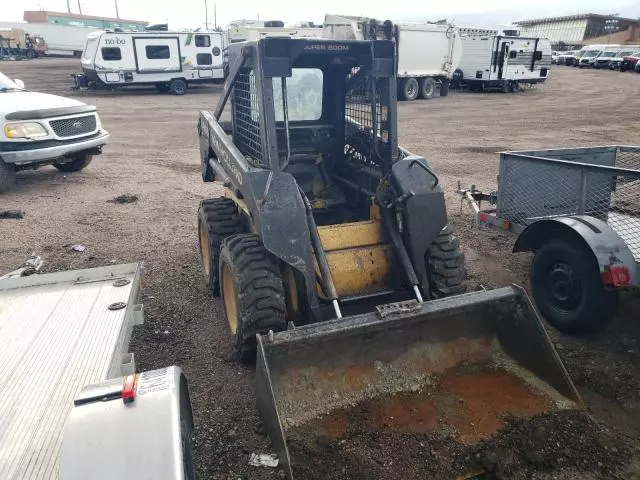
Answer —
329 244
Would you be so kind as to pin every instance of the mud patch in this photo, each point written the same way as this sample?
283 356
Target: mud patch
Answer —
11 214
126 198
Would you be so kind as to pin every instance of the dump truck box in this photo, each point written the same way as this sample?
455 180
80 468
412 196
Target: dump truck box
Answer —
437 356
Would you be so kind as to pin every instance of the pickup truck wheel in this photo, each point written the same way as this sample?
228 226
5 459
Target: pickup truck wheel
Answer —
178 87
567 289
7 176
75 165
252 291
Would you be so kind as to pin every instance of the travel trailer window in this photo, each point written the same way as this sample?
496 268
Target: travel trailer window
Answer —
513 54
204 59
157 52
111 53
537 55
304 95
203 41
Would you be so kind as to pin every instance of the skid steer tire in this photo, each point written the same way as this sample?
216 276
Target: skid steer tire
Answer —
252 291
218 218
446 265
567 288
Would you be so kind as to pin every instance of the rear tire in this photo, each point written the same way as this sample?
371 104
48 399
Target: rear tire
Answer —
410 89
178 87
567 289
252 291
7 176
218 218
444 88
446 265
75 165
427 88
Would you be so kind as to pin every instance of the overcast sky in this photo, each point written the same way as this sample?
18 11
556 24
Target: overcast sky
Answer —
190 13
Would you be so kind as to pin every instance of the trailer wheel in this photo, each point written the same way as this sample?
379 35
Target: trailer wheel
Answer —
178 86
218 218
7 176
567 288
252 292
427 88
446 265
410 89
75 165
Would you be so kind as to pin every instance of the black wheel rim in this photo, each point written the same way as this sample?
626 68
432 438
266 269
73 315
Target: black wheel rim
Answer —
564 287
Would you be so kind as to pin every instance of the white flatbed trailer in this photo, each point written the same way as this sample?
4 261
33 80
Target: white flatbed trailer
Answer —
60 335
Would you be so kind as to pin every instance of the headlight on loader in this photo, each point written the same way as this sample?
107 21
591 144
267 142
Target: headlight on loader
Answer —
24 130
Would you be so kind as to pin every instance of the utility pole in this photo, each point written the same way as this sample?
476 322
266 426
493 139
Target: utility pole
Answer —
117 13
68 6
215 16
206 16
79 7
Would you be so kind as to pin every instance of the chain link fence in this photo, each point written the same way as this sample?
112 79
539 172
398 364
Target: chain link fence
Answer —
603 182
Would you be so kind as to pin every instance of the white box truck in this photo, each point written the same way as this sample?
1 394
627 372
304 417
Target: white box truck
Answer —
497 62
427 54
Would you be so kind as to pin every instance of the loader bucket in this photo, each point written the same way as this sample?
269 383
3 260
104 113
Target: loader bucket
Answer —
449 359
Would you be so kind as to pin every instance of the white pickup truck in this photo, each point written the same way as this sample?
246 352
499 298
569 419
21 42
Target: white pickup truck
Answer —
38 129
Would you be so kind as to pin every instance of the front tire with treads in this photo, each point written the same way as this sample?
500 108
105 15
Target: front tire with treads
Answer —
252 291
218 218
446 265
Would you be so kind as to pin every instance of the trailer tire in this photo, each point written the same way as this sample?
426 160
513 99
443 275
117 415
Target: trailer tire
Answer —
218 218
410 89
427 88
567 289
446 265
78 163
444 88
7 176
178 86
252 292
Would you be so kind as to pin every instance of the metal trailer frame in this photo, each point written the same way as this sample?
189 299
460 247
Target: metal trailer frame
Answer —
60 332
592 193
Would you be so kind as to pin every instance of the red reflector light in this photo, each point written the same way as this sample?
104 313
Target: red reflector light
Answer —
616 275
483 217
129 388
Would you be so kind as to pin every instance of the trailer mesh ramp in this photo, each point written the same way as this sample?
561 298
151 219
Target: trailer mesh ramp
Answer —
58 333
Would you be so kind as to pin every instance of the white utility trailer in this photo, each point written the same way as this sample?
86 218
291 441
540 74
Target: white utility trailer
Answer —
427 54
503 63
169 60
578 210
71 404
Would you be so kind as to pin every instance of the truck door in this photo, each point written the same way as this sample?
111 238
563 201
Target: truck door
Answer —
503 59
157 54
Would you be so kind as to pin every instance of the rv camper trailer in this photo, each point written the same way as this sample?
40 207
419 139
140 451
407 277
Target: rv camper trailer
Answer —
169 60
502 62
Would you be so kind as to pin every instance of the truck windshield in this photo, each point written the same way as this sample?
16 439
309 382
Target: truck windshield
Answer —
6 84
591 53
608 54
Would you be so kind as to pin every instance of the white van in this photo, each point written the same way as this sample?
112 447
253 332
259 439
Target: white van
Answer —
588 54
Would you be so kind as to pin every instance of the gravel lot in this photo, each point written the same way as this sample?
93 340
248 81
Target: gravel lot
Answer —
153 154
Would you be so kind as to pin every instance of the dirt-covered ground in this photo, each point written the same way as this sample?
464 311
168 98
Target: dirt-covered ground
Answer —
153 155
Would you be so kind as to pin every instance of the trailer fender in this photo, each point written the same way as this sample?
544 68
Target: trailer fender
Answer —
138 426
614 258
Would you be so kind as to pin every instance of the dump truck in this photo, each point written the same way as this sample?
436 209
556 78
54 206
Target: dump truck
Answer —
329 246
427 54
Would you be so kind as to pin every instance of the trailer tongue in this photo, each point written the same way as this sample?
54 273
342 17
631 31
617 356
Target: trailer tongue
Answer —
425 368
